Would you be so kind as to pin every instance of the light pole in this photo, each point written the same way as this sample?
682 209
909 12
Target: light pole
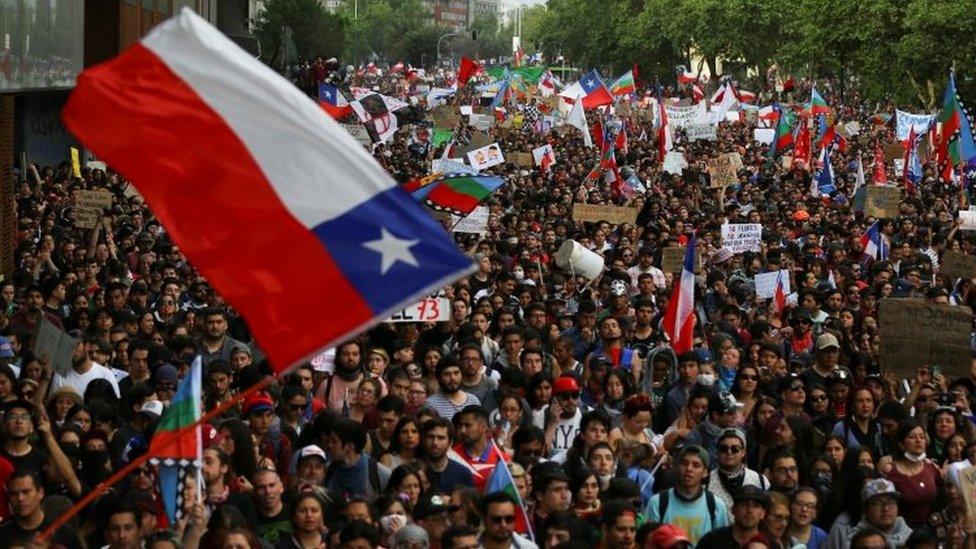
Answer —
448 35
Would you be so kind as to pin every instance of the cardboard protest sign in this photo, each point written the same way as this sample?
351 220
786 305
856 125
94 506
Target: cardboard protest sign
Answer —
430 309
893 151
601 212
766 283
476 222
359 132
675 163
486 157
850 129
721 172
89 207
467 110
53 343
764 135
736 160
684 116
967 220
673 259
697 132
521 159
482 122
916 333
445 116
742 237
882 201
957 265
75 162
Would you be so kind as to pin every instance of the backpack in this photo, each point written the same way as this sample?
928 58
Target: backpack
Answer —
372 473
665 499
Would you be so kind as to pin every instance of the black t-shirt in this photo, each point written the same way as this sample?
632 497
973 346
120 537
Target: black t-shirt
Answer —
11 532
35 460
272 529
720 538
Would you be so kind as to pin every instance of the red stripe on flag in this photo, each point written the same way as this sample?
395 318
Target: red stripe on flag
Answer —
206 188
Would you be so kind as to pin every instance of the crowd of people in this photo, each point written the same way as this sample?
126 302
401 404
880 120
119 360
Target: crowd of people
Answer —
778 429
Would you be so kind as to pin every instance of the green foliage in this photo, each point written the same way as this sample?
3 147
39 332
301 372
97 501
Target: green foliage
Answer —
314 30
391 30
897 50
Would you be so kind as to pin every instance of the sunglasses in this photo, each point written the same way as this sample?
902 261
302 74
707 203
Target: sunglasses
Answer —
729 448
498 519
818 398
749 377
797 387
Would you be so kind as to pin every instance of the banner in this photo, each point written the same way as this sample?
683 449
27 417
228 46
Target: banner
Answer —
430 309
476 222
764 135
905 121
601 212
742 237
697 132
681 117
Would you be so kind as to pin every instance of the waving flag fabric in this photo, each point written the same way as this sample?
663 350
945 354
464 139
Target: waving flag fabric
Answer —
873 243
591 89
624 84
911 172
468 68
783 139
179 462
679 320
334 103
501 480
825 178
956 143
292 217
817 104
458 193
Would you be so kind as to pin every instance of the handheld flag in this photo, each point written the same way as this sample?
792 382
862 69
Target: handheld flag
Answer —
333 102
679 320
367 250
911 172
779 295
874 244
956 143
665 139
595 92
501 480
468 69
624 84
577 119
458 193
817 104
179 460
879 176
825 178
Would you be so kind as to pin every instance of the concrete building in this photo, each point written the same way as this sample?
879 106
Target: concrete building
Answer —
453 14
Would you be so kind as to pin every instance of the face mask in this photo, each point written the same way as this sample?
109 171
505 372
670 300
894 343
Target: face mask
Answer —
94 459
519 274
706 379
822 481
392 523
915 458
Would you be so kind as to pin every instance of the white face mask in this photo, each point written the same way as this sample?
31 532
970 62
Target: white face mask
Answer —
915 458
392 523
519 274
706 379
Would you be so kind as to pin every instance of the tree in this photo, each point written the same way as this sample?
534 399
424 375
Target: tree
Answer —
314 30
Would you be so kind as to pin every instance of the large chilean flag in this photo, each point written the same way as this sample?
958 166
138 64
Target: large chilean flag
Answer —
679 319
290 219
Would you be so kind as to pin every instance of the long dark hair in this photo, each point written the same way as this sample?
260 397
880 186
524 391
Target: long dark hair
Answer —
242 460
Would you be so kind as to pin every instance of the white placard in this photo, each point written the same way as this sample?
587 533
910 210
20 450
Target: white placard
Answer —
476 222
899 164
539 153
446 165
968 219
683 116
764 135
486 157
429 309
697 132
742 237
675 163
766 283
466 110
480 121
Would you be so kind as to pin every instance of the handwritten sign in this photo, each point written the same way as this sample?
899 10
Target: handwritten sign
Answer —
89 207
957 265
722 172
429 309
764 135
521 159
766 283
673 259
476 222
486 157
698 132
482 122
675 163
51 342
684 116
916 333
742 237
601 212
967 220
882 202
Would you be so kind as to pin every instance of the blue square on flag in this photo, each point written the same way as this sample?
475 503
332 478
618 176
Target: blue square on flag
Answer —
328 93
591 81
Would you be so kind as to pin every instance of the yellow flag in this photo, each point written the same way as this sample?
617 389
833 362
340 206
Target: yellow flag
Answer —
75 162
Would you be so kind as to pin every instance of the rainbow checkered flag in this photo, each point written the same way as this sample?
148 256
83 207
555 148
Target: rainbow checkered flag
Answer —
180 460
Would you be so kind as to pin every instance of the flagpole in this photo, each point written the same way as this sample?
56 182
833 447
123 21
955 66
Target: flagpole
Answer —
102 487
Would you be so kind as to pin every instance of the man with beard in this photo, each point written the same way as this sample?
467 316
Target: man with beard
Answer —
474 446
84 370
749 510
215 343
474 377
28 319
218 490
561 419
19 421
335 390
450 399
498 512
437 435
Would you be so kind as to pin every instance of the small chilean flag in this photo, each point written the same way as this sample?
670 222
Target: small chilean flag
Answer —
679 320
289 218
874 244
779 296
333 102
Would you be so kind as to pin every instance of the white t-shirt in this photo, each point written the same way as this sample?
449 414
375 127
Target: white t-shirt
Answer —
79 382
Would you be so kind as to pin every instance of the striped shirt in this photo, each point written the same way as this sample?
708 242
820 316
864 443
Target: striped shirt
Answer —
441 404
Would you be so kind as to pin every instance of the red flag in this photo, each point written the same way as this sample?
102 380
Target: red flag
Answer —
336 112
596 132
621 141
468 69
801 153
879 169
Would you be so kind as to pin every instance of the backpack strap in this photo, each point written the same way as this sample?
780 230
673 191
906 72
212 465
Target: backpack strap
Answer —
662 504
710 503
374 475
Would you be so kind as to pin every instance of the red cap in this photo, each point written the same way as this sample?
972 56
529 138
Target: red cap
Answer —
209 435
668 535
258 403
565 384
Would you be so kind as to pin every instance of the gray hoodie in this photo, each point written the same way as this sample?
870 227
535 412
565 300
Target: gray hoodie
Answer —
841 534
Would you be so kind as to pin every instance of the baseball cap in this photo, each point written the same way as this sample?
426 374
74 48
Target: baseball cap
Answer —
152 408
312 450
669 535
565 384
429 506
723 402
410 534
878 487
166 373
827 341
751 493
260 402
691 449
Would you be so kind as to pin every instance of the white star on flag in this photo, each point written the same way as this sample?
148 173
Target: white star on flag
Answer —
392 249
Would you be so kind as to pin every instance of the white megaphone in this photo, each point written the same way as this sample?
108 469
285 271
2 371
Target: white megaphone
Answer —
575 258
